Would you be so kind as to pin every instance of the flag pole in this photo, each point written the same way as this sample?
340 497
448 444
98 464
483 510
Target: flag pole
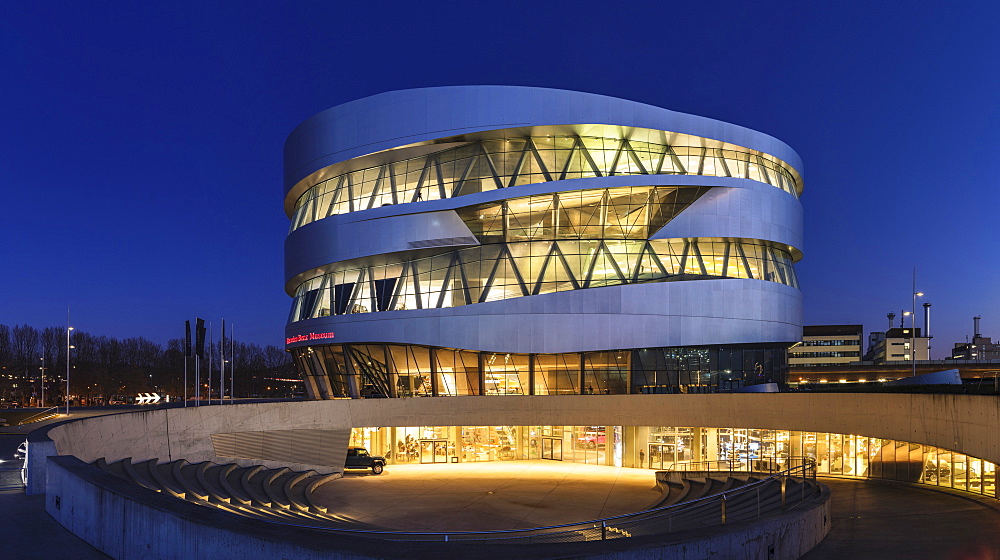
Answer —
232 366
222 365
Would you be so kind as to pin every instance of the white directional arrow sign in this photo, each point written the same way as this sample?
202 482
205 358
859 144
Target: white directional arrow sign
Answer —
147 398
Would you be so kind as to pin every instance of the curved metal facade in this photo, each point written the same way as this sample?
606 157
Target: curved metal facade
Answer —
510 240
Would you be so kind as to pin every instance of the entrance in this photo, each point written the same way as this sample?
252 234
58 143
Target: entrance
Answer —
433 451
552 448
661 454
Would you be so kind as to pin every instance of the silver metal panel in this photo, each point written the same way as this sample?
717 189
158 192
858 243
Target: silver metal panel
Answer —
346 236
689 313
753 211
399 118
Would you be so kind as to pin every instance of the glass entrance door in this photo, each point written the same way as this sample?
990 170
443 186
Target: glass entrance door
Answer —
661 455
433 451
552 448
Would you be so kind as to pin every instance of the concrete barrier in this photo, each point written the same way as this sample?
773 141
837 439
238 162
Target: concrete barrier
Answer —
958 422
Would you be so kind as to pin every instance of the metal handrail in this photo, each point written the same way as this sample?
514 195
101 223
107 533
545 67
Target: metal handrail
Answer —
714 466
806 470
37 416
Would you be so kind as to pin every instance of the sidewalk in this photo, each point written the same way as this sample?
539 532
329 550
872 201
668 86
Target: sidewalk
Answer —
878 520
28 532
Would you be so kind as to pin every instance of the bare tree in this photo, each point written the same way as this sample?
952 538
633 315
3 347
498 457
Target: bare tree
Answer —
25 346
6 347
106 368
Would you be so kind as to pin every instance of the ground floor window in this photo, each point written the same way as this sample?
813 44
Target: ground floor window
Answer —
394 370
662 447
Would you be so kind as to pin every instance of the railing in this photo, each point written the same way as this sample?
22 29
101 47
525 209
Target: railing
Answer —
43 415
746 502
762 465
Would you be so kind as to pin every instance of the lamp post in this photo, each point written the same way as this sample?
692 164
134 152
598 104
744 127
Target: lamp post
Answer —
913 324
68 348
41 398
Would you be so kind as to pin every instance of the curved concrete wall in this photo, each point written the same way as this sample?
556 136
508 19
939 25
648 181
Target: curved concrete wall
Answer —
961 423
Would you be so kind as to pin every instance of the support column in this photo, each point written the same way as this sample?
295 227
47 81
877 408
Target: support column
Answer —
481 373
432 356
531 374
353 390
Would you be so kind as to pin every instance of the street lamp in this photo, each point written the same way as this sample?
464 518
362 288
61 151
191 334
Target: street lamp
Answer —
913 328
42 396
68 348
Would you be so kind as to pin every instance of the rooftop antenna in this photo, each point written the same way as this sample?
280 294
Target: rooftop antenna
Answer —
927 323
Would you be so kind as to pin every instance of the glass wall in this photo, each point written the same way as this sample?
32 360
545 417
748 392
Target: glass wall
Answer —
847 455
486 165
396 370
634 212
511 270
662 447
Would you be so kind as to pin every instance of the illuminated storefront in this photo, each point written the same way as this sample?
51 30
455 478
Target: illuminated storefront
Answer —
660 448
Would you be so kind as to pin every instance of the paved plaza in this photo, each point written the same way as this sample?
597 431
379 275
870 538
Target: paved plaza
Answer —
488 496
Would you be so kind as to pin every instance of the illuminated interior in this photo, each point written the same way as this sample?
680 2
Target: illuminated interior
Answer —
509 270
487 164
660 448
397 370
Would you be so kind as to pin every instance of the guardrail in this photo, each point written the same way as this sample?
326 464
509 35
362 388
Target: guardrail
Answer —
746 502
43 415
763 465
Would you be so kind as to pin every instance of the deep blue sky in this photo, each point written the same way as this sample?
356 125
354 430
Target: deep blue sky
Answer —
140 143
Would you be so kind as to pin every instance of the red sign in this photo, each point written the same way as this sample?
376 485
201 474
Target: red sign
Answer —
310 336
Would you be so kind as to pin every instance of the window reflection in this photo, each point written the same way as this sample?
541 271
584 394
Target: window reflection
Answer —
396 370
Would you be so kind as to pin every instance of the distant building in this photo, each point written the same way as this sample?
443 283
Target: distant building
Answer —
899 345
824 345
981 347
874 340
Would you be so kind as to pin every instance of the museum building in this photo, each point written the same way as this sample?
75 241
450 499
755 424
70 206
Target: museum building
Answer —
499 240
522 242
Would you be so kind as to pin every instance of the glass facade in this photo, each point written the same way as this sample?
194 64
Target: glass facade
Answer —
509 270
484 165
547 243
662 447
614 213
395 370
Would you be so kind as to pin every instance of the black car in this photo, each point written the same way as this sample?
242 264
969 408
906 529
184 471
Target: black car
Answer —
359 458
